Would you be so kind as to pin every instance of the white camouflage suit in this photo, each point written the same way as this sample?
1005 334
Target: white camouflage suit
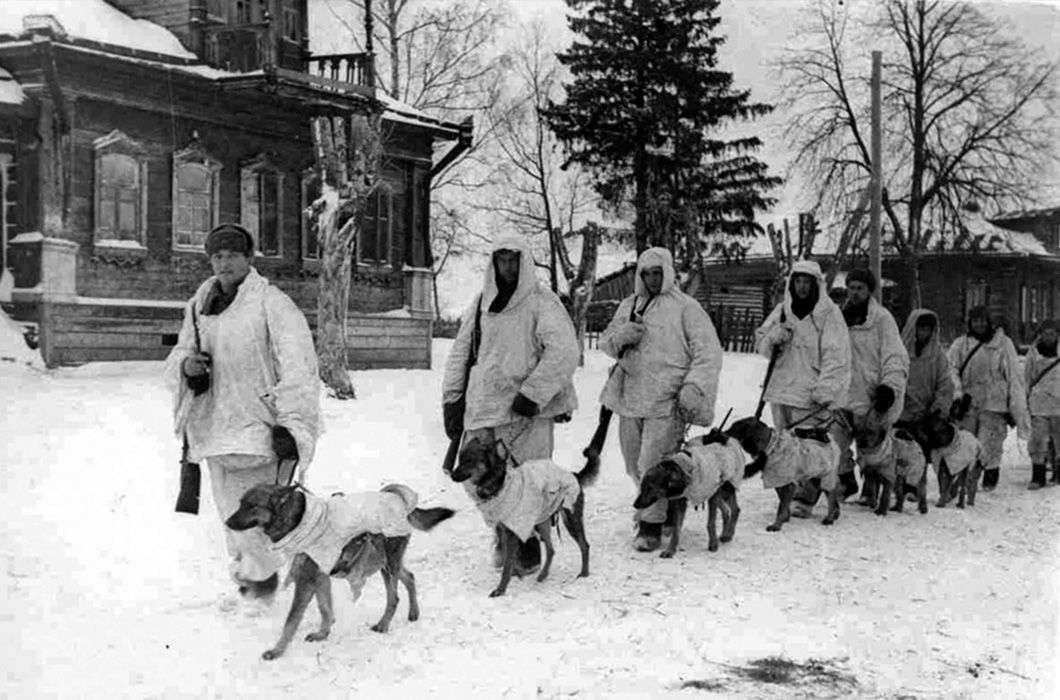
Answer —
263 373
679 349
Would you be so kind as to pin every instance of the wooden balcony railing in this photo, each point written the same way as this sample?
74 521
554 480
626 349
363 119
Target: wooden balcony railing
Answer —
352 68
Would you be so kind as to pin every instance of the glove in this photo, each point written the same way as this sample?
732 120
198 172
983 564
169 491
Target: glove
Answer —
960 407
819 398
715 436
778 335
453 419
523 406
884 399
196 369
283 444
1010 420
689 403
629 333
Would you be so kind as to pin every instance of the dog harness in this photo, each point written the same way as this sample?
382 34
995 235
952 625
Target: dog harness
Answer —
790 460
909 460
879 459
708 466
960 454
329 523
532 493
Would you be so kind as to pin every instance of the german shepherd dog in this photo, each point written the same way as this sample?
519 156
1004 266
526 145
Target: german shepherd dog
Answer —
484 464
909 455
279 510
669 481
816 463
956 477
877 464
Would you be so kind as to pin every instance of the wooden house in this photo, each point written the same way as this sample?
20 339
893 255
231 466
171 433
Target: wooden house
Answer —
1010 264
141 124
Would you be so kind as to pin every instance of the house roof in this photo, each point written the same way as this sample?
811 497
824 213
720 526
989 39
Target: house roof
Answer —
94 20
98 27
1041 213
10 91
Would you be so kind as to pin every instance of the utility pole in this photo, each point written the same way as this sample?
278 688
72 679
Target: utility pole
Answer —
876 186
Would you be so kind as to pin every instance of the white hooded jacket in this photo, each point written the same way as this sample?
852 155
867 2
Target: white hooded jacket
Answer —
263 373
877 357
991 377
813 368
528 347
680 346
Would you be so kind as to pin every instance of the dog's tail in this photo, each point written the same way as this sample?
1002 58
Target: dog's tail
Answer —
587 476
754 467
426 518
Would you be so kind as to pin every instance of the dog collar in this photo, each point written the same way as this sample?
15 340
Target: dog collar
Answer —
313 524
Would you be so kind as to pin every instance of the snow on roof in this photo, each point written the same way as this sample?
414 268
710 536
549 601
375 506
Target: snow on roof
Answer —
94 20
10 91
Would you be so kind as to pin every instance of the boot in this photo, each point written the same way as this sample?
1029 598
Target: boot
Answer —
1037 477
1056 472
990 479
649 536
849 483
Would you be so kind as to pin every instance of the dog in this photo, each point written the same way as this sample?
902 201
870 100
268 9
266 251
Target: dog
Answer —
910 468
349 536
785 458
877 459
957 456
708 468
525 499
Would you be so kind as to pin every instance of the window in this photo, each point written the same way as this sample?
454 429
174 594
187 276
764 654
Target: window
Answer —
976 294
243 12
310 192
261 204
386 217
292 24
120 191
195 196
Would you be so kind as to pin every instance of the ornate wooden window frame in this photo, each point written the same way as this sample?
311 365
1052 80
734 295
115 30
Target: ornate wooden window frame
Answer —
117 143
195 154
253 168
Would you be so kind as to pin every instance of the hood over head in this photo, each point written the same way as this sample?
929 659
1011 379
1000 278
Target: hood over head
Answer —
527 274
805 267
655 257
909 329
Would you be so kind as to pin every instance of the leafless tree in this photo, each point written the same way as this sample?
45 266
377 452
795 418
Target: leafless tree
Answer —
969 114
348 151
531 191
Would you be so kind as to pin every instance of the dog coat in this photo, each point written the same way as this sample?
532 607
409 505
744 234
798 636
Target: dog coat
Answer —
532 493
909 460
790 460
961 453
329 523
880 459
708 466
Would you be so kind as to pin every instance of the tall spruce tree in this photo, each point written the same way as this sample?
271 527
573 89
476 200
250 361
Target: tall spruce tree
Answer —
645 112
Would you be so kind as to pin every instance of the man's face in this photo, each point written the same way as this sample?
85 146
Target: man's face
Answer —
978 325
230 267
506 263
652 278
801 285
1049 335
923 333
858 292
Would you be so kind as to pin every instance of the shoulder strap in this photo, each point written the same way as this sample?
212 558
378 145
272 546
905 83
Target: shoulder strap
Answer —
1041 375
476 335
960 372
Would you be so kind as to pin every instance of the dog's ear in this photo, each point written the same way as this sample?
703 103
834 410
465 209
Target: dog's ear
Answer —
280 496
501 450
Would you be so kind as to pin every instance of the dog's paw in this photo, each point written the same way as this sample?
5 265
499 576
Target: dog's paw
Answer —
272 654
923 508
496 593
414 615
666 554
775 527
380 627
712 547
940 503
318 636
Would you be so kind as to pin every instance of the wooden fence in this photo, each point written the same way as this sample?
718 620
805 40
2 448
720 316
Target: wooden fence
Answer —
736 327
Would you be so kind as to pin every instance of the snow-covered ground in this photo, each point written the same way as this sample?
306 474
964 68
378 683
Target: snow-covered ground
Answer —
109 593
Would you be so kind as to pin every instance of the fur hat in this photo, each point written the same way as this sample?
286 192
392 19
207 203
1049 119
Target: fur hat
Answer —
863 275
229 237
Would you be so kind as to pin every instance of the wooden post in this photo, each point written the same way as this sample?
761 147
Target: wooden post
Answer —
877 176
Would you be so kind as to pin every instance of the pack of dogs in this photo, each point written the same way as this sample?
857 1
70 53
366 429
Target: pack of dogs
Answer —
355 536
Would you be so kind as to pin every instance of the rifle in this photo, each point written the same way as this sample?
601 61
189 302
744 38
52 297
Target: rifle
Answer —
596 443
472 358
769 373
190 473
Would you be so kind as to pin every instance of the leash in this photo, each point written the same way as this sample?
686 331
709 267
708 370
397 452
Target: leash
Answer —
290 476
527 423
